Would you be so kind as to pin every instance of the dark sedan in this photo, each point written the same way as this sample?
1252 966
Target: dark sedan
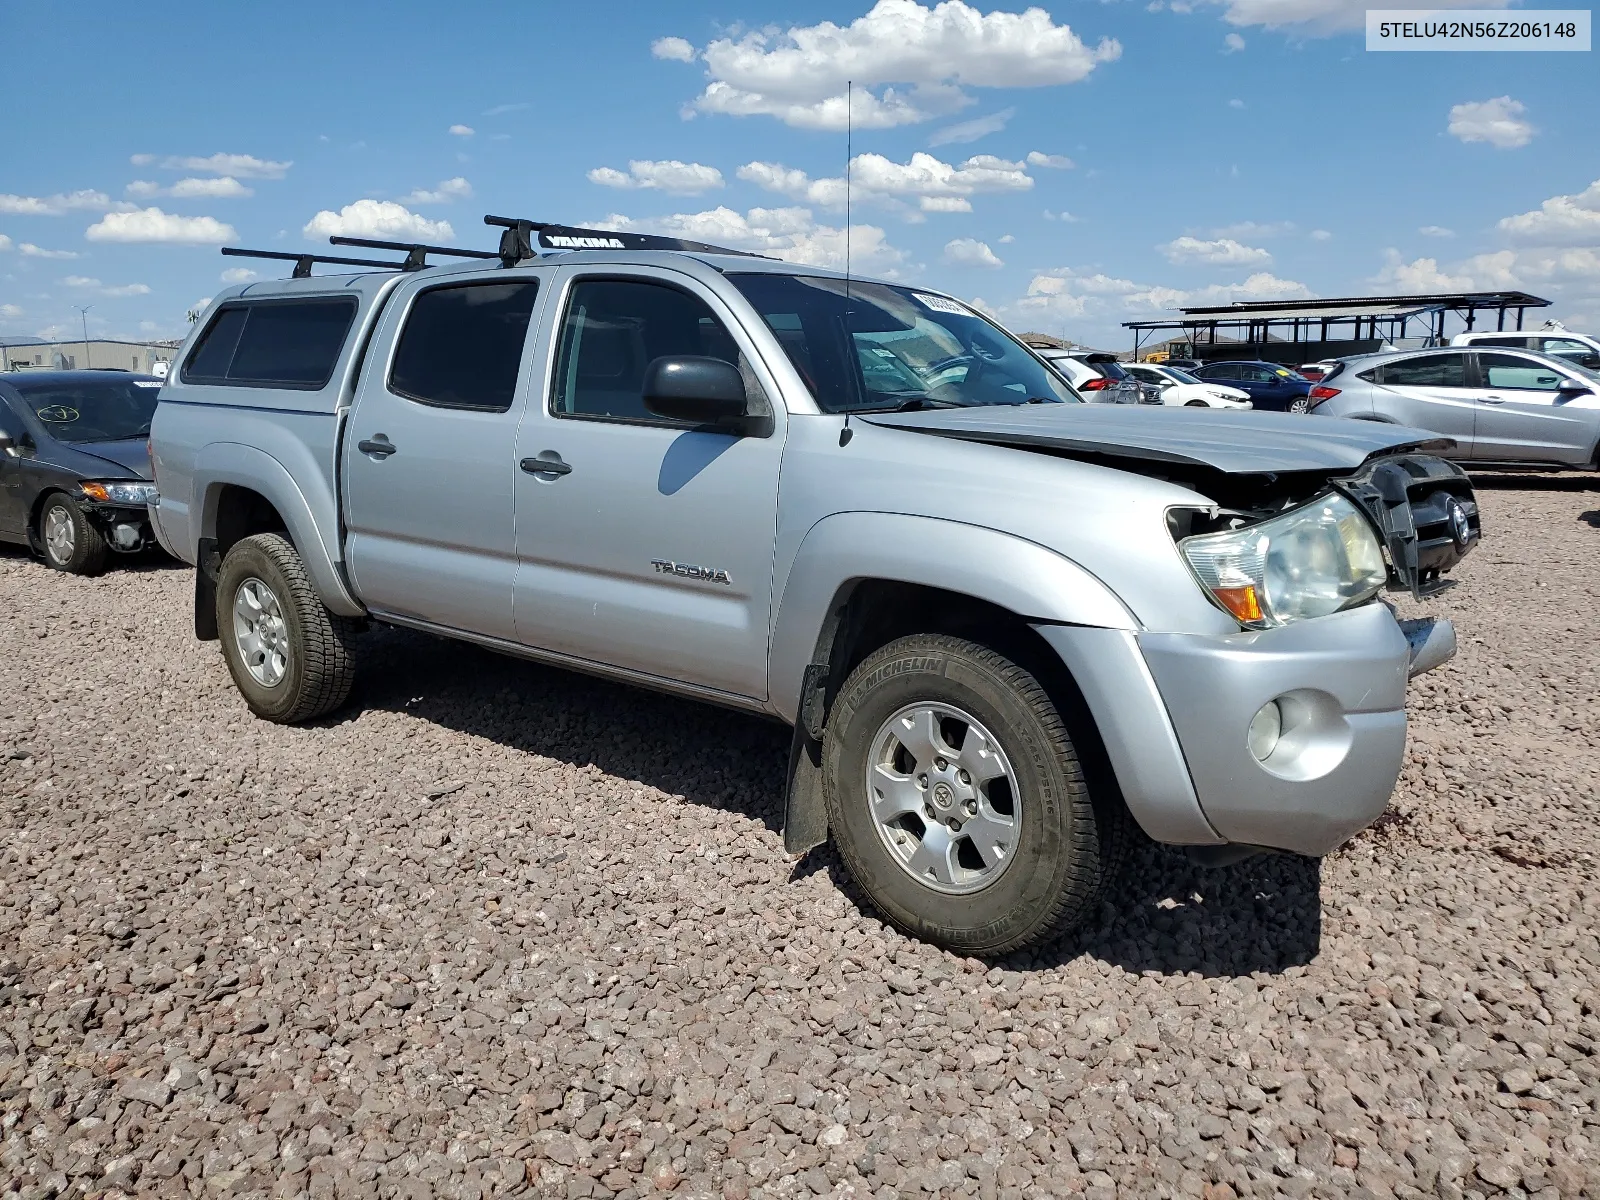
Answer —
1272 387
75 474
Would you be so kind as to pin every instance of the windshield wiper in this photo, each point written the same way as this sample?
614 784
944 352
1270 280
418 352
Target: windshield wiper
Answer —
911 404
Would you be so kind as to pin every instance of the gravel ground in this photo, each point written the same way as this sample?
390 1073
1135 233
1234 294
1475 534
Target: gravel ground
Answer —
500 929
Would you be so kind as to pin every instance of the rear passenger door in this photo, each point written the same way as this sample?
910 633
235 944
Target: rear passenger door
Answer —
645 544
1525 417
1433 392
430 468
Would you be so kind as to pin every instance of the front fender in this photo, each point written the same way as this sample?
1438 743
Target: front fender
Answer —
1020 576
222 463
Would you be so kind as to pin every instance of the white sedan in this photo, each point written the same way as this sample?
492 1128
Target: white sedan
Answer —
1185 390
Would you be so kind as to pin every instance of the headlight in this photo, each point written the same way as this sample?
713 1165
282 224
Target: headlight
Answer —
1223 396
120 493
1315 560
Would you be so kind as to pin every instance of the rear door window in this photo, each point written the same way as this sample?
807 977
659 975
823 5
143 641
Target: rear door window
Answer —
462 345
1512 341
1428 370
292 344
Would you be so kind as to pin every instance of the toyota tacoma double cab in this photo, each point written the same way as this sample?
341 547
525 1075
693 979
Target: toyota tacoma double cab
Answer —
1006 626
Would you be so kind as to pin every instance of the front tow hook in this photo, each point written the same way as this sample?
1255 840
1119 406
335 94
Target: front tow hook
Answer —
1432 642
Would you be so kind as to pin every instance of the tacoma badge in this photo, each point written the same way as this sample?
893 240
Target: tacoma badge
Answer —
685 571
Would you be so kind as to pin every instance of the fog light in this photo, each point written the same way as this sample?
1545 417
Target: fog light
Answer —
1266 727
126 537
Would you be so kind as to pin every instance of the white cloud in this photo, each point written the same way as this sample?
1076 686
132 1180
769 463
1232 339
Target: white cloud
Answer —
1498 122
11 312
937 186
1007 239
1221 251
5 242
674 49
1560 220
799 75
1232 44
791 234
85 283
1307 17
1419 276
669 175
1056 162
1438 231
1320 235
153 225
224 188
54 206
462 130
971 131
1067 294
500 110
29 250
238 275
969 252
243 166
447 191
377 219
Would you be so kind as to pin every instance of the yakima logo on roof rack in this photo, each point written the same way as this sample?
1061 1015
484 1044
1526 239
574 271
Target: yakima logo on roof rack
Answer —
561 241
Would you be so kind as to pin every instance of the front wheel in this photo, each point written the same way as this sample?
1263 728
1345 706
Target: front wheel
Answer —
957 801
1197 404
290 657
71 543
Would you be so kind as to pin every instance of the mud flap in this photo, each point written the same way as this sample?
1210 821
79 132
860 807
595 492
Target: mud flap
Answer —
805 813
205 591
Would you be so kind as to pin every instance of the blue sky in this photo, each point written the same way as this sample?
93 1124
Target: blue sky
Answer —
1071 166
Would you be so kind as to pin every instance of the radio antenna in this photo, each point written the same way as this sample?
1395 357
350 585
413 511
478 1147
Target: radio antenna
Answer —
847 433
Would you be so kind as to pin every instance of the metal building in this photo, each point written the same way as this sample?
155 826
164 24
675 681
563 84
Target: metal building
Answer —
1307 330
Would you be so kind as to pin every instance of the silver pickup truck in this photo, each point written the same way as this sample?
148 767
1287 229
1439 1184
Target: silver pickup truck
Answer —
1000 621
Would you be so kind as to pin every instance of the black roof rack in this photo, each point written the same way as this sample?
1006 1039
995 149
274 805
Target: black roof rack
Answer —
517 242
416 252
521 240
303 262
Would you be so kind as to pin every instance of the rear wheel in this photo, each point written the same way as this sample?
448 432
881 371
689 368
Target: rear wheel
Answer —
290 657
1300 404
71 543
957 800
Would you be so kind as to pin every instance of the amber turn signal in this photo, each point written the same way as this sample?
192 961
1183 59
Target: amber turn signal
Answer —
1242 602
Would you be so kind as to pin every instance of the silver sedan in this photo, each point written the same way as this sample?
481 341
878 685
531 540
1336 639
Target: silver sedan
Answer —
1511 407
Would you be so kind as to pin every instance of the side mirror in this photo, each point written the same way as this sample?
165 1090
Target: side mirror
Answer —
702 391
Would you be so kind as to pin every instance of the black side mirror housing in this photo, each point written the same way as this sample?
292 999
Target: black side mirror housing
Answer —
702 391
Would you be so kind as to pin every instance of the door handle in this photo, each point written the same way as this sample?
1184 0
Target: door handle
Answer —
546 466
1494 399
378 447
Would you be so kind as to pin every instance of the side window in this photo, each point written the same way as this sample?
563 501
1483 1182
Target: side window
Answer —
1511 341
273 343
1221 372
1428 370
461 346
613 330
1509 371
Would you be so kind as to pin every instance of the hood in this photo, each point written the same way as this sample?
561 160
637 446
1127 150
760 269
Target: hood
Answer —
1233 443
132 455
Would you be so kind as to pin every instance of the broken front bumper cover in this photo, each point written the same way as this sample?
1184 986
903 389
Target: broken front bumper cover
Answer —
1431 641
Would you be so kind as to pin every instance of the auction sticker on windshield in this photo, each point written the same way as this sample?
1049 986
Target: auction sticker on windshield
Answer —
1474 29
941 304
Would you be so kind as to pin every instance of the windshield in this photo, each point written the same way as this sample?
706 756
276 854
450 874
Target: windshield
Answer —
885 348
91 410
